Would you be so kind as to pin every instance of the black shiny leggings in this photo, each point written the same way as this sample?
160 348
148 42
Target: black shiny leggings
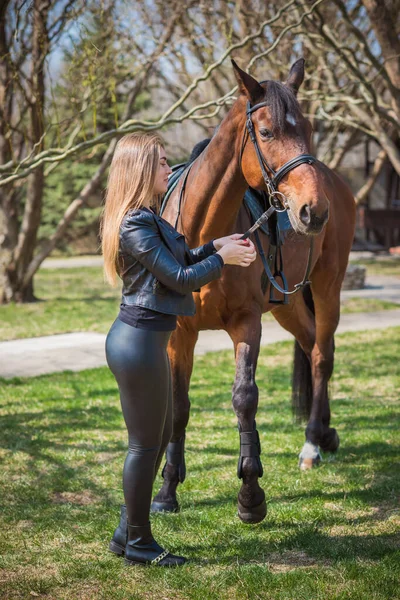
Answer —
139 361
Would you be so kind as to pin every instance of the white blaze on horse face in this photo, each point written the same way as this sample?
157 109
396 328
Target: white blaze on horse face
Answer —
290 119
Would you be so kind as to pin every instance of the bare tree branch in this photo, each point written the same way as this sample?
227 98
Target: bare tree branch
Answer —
370 182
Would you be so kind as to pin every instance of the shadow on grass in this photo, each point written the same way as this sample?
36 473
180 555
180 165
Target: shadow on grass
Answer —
46 439
323 548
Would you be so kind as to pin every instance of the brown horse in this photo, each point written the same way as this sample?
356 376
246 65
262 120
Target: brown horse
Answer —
320 205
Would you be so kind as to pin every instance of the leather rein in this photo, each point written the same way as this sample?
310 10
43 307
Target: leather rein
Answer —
278 201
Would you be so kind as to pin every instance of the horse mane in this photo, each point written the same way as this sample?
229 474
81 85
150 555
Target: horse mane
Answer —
198 149
281 101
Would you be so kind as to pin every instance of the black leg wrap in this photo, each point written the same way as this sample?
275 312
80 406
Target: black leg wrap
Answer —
250 447
176 456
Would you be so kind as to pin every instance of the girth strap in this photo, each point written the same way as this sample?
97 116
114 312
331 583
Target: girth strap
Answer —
175 455
250 447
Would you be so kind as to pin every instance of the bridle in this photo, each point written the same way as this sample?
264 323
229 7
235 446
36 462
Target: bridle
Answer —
271 182
278 201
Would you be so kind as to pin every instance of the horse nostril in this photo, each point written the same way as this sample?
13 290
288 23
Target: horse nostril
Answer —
305 214
325 216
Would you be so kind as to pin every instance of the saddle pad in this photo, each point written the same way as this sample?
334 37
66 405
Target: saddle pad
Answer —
256 205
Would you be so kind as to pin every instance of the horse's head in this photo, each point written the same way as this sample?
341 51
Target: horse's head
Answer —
283 133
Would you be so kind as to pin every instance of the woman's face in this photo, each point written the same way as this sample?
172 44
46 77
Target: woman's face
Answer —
161 181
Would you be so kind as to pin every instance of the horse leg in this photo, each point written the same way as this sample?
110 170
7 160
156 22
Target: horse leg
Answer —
326 299
245 331
313 366
298 318
180 351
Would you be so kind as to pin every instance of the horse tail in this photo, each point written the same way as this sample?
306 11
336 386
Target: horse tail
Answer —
301 376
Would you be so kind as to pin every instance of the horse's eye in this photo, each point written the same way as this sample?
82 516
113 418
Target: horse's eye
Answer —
266 133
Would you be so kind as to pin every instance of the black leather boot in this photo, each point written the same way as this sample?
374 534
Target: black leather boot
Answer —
120 537
142 549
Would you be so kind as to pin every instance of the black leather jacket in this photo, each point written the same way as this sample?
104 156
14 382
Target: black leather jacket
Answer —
157 268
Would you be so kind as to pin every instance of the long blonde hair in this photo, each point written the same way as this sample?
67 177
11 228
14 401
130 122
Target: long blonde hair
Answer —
130 183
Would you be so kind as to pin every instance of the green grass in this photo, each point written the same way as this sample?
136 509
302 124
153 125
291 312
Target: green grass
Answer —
79 300
70 300
330 534
380 265
355 305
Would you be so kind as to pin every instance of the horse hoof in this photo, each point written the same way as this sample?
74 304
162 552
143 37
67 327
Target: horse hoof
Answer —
157 507
255 514
330 441
306 464
309 456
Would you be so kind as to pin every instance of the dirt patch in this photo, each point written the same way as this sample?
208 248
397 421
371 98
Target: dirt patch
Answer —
29 573
83 498
105 457
288 561
24 524
332 506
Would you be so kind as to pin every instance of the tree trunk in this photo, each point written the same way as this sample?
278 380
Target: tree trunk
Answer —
6 286
24 251
384 20
8 219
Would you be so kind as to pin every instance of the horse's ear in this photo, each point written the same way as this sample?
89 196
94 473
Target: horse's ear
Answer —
247 84
296 75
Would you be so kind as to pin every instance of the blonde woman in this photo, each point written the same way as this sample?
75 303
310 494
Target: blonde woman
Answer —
159 273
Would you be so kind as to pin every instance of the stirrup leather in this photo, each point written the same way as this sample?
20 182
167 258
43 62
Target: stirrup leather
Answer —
159 558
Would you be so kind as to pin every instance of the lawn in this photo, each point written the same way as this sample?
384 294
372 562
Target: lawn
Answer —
79 300
330 534
380 265
70 300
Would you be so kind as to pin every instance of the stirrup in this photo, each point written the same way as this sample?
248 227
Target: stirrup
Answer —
159 558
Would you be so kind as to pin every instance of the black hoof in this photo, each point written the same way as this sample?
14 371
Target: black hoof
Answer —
255 514
330 441
156 507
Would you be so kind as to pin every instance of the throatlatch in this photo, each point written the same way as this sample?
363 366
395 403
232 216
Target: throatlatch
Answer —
175 455
250 447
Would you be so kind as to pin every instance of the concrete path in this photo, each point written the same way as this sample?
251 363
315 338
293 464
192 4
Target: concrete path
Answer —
78 351
380 287
73 262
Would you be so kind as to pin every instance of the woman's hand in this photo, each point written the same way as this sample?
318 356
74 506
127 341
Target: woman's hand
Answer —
228 239
238 252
